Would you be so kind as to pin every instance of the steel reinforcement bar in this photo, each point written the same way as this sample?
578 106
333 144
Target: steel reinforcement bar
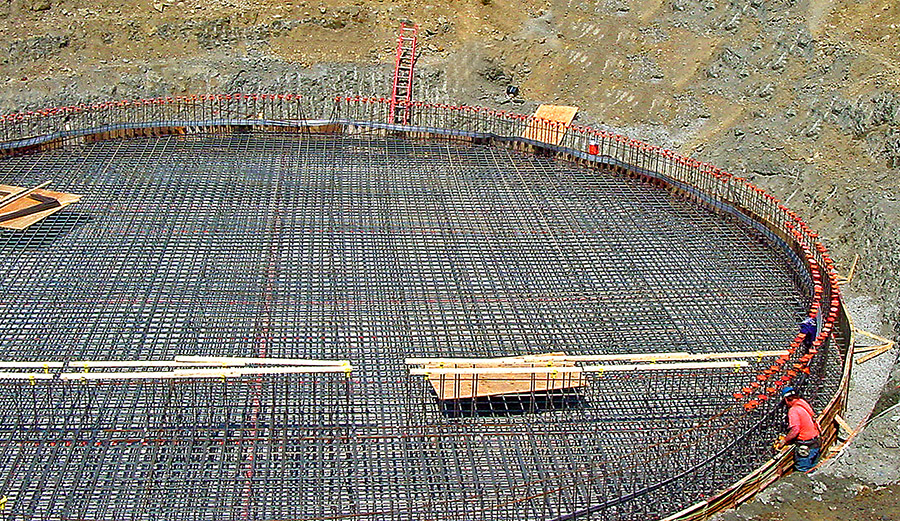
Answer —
51 128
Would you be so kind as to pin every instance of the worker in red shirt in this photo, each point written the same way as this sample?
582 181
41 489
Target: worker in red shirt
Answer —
803 430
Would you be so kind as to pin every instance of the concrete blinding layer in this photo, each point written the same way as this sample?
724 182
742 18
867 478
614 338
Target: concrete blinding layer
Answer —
373 249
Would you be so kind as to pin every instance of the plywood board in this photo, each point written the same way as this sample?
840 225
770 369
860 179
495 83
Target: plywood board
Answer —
549 123
21 223
469 386
561 113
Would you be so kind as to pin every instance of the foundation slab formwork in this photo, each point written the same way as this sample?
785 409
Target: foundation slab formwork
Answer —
362 244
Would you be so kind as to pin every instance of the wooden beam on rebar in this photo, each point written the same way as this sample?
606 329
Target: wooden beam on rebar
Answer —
5 375
205 361
639 357
18 193
239 361
586 369
230 372
30 365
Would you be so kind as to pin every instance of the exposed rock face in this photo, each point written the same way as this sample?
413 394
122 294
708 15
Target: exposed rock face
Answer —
33 49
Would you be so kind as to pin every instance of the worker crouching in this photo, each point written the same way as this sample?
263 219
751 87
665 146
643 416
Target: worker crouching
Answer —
803 431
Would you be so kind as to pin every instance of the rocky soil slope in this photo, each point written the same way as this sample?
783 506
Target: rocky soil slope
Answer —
800 96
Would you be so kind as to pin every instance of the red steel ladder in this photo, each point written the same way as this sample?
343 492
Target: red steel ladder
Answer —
401 94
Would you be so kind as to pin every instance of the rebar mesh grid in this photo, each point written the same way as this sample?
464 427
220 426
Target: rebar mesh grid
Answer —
375 249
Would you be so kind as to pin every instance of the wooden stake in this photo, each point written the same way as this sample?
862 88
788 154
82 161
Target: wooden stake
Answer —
881 350
865 349
873 336
844 425
849 277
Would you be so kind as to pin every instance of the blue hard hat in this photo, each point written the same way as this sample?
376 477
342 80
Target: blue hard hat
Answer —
788 391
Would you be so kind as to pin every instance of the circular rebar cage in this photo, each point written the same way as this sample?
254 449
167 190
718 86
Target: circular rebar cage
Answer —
346 239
